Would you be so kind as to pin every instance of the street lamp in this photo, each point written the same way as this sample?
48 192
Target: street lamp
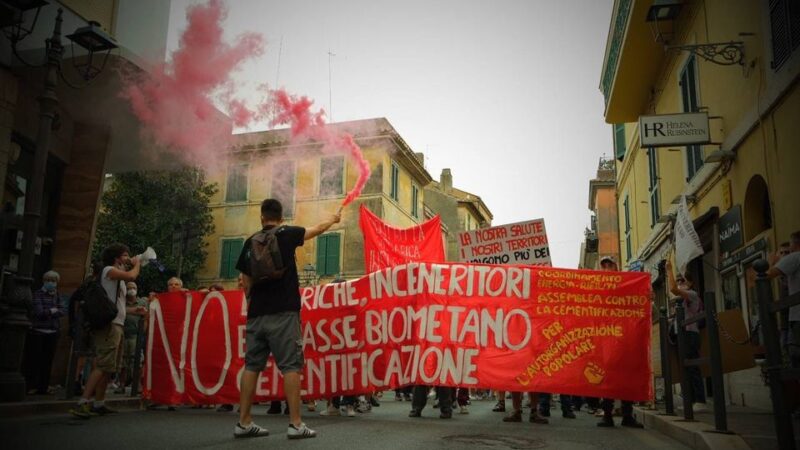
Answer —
16 298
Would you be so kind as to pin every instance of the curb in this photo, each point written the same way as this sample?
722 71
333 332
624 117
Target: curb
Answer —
12 410
696 435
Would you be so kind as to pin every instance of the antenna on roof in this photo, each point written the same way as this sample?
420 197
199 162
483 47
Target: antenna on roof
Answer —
330 87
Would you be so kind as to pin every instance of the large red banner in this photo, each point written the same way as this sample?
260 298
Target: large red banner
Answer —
386 246
514 328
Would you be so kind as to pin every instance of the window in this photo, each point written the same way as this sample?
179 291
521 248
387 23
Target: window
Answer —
628 246
688 83
328 254
730 291
282 189
236 188
395 192
619 141
414 201
231 249
331 176
784 19
655 207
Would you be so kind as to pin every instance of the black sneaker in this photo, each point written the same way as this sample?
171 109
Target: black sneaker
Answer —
631 422
446 415
374 402
398 398
102 410
567 414
415 413
225 408
606 422
499 407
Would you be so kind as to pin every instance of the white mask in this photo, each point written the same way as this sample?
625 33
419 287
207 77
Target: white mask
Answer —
132 292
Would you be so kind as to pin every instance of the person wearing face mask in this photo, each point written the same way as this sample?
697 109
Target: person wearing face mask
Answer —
40 345
136 310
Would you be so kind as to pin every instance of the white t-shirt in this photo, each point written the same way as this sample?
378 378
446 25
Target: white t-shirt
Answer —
789 265
115 289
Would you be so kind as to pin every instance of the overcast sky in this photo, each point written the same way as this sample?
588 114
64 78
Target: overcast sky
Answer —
504 93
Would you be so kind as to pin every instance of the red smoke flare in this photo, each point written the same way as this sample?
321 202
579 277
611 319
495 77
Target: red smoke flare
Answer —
296 112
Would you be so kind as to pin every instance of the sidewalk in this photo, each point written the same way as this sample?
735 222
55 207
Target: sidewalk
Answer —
55 403
754 428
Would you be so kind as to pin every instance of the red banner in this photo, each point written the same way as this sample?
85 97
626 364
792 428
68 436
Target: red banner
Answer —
386 246
513 328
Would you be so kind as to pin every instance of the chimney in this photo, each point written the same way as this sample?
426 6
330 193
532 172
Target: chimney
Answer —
420 157
446 180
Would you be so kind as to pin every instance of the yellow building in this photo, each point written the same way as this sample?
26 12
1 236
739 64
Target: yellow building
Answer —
665 58
311 186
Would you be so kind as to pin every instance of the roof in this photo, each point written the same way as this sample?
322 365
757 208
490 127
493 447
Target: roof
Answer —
466 198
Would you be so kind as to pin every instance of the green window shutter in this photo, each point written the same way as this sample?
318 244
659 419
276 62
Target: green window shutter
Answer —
395 182
231 249
331 176
236 186
332 255
619 141
328 254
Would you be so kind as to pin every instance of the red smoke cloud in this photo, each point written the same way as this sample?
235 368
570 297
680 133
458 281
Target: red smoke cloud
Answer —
296 112
175 101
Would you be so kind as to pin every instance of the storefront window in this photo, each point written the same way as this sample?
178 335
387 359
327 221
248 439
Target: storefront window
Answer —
730 291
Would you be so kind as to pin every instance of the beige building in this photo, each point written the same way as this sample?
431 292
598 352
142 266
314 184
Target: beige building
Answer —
460 211
312 185
602 236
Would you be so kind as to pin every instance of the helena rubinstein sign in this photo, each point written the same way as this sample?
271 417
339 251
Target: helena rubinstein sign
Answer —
673 129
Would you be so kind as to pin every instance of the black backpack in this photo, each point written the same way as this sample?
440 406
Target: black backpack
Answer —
266 262
98 310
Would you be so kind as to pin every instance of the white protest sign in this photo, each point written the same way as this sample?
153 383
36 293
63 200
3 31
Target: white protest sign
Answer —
687 242
516 243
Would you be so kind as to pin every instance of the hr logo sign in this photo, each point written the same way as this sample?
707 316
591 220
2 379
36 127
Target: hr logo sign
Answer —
673 129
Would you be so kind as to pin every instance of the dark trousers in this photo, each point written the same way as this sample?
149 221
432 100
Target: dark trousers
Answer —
698 394
462 396
544 402
39 352
444 394
608 407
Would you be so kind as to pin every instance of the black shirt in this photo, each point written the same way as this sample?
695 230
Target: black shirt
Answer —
275 296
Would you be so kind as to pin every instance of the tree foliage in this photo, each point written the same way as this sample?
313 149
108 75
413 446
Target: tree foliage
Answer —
166 210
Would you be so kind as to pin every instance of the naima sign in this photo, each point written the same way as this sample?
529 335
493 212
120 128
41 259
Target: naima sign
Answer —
673 129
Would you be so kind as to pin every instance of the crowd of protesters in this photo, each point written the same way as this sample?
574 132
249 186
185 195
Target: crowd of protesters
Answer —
107 356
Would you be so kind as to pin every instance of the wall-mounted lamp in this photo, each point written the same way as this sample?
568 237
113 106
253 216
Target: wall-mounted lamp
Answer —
663 10
720 155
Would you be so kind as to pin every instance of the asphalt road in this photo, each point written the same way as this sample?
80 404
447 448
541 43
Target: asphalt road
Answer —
387 427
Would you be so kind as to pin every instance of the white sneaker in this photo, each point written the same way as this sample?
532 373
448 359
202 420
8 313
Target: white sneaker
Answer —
330 411
699 407
350 411
301 432
364 407
251 430
463 410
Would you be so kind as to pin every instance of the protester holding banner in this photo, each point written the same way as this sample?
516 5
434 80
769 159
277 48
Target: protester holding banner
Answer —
273 313
516 412
693 305
607 404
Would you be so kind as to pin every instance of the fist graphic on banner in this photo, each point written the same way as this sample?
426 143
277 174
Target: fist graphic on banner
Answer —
594 374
